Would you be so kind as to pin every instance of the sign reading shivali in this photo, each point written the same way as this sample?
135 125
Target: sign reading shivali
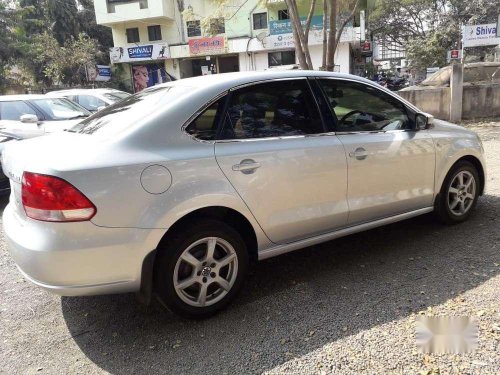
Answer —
480 35
103 73
281 33
153 51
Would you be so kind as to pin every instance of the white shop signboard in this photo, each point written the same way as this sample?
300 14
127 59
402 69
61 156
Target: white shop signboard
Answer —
281 34
480 35
315 38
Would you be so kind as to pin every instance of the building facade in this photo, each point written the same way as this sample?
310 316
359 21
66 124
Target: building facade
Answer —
183 38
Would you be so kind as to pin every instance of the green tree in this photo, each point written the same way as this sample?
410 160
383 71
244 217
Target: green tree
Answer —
56 38
64 64
33 16
89 26
64 19
9 40
427 29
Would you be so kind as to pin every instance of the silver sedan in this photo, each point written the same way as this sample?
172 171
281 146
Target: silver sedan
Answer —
175 191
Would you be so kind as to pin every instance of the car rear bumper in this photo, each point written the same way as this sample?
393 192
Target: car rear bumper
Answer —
79 258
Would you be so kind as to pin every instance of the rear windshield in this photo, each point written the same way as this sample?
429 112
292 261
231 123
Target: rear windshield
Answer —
127 112
56 109
116 95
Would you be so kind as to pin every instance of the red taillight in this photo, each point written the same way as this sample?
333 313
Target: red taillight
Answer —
50 198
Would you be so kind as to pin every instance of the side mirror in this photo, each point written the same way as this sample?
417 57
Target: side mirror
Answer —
29 119
423 121
100 108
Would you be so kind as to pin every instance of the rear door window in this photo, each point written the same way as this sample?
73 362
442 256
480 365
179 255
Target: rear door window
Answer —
272 109
14 110
204 127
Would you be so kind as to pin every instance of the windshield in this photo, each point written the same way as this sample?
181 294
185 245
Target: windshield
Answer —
119 116
117 95
60 109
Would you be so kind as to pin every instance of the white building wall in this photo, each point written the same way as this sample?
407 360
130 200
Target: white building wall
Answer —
125 12
169 32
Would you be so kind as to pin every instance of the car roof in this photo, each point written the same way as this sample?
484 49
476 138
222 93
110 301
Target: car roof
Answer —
229 80
212 85
5 98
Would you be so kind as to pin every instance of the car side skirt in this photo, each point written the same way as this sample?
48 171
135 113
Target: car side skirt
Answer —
282 249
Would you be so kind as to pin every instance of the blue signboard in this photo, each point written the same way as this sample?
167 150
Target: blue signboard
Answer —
140 52
103 71
285 26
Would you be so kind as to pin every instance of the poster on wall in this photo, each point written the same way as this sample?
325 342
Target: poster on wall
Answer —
153 51
147 75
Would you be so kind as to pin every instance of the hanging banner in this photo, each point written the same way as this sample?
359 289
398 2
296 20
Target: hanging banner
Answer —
207 46
480 35
148 75
153 51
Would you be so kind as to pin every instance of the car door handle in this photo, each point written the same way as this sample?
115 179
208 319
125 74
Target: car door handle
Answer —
360 153
246 166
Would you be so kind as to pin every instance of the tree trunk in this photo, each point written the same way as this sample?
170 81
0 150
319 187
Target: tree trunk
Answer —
332 36
303 38
296 28
299 37
325 36
309 19
342 27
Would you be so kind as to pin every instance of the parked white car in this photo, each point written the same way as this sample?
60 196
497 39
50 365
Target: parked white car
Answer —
91 99
34 115
189 181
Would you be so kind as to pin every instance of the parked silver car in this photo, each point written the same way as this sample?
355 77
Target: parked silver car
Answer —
189 181
35 115
91 99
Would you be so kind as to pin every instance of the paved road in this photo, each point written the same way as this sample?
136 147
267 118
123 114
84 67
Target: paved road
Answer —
346 306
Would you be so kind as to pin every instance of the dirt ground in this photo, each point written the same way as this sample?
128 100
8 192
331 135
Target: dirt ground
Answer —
343 307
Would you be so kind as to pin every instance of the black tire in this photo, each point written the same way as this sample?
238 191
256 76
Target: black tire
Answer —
442 207
172 249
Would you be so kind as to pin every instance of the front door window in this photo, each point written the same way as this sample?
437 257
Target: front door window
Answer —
358 107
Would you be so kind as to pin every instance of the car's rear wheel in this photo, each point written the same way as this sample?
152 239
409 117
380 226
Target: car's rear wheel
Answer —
201 268
459 193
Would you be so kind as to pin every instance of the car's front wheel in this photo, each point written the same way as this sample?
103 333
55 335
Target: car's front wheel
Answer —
459 193
201 268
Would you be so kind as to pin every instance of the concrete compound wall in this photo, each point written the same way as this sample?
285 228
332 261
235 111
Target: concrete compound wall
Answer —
480 100
435 101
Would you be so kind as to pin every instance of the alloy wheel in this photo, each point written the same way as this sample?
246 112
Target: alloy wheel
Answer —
205 272
461 193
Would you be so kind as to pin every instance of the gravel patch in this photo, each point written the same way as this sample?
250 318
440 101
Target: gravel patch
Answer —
343 307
